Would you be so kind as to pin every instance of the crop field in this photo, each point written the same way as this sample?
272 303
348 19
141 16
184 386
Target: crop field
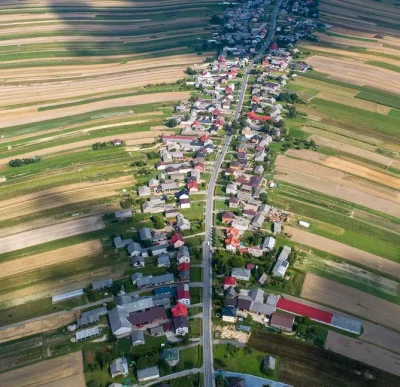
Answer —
304 365
65 370
350 300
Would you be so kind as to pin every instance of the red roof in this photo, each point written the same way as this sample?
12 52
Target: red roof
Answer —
274 46
304 310
176 237
232 241
196 123
179 310
232 231
250 266
254 116
192 184
183 266
231 281
204 138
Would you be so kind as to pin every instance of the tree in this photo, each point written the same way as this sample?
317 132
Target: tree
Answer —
302 329
215 19
185 339
190 71
236 261
171 123
264 197
158 222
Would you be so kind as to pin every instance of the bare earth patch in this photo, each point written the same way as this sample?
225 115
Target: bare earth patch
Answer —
51 233
65 371
364 352
347 252
50 258
230 333
350 300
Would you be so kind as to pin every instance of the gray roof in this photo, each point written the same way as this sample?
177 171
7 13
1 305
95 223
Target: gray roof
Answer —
121 243
284 254
241 272
145 234
183 252
137 337
259 307
269 362
139 304
269 243
258 220
134 247
280 268
147 373
118 319
136 276
257 295
346 323
167 277
66 296
123 214
163 259
106 283
119 366
87 333
144 191
91 316
262 279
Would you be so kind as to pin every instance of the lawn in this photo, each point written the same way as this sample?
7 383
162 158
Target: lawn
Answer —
193 355
195 327
196 274
196 295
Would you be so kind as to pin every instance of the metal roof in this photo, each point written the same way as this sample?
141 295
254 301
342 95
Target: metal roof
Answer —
87 333
106 283
66 296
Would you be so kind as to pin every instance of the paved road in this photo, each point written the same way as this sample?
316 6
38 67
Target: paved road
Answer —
207 290
176 375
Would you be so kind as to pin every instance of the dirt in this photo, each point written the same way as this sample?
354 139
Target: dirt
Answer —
230 333
65 371
350 300
50 258
338 184
364 352
347 252
35 327
353 150
346 166
50 233
60 196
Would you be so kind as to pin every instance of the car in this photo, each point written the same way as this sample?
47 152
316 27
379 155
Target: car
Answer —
240 318
265 319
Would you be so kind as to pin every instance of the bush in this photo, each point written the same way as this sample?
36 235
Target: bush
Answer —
171 123
15 163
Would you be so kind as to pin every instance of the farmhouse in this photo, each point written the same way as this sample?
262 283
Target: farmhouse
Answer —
119 367
102 284
241 274
147 374
282 321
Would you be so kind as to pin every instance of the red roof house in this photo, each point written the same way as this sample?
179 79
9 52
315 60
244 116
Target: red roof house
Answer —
177 240
204 138
250 266
193 186
227 216
274 46
199 166
229 281
232 243
179 310
253 116
183 266
232 231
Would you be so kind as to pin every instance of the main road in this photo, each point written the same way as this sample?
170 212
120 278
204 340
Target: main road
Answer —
207 289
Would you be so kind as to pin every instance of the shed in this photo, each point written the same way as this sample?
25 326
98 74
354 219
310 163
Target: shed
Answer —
102 284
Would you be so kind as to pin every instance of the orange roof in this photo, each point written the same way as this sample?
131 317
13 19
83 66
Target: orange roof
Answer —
179 310
233 241
232 231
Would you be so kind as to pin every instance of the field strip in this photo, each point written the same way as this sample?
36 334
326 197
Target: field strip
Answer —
347 252
352 150
60 196
50 258
66 371
346 166
336 183
7 119
50 233
364 352
350 300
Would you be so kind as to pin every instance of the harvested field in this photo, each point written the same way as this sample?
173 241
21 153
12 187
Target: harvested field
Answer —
51 233
30 115
61 196
303 365
356 302
339 184
346 166
32 328
50 258
364 352
353 150
353 72
347 252
65 371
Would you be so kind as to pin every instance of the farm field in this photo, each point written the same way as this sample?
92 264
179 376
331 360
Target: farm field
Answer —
66 370
363 352
350 300
51 233
304 365
349 253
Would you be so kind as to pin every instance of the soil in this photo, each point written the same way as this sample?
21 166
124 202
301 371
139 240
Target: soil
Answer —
364 352
50 233
230 333
356 302
347 252
65 371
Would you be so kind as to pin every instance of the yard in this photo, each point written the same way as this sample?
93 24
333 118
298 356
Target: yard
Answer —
196 274
195 327
196 295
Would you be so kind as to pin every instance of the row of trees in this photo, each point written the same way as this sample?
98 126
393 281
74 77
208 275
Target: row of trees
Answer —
15 163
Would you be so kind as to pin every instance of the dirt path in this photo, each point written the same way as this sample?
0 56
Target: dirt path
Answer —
60 196
364 352
350 300
65 371
338 184
346 166
31 115
50 258
51 233
347 252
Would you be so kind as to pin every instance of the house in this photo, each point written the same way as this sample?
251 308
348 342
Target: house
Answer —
179 310
97 285
229 282
181 325
134 249
283 321
233 202
135 277
227 217
182 223
158 280
229 314
280 268
241 274
258 221
163 260
167 187
269 243
269 364
119 367
240 223
182 194
120 243
177 240
171 356
262 279
173 213
147 374
184 272
137 261
230 292
153 183
183 294
193 186
232 243
183 255
138 319
137 338
145 234
277 228
155 250
232 231
258 170
123 214
184 203
231 189
144 191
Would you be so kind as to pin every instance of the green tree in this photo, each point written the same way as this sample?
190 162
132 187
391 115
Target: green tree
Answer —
171 123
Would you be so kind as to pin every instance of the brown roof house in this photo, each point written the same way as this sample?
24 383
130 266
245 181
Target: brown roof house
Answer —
283 321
